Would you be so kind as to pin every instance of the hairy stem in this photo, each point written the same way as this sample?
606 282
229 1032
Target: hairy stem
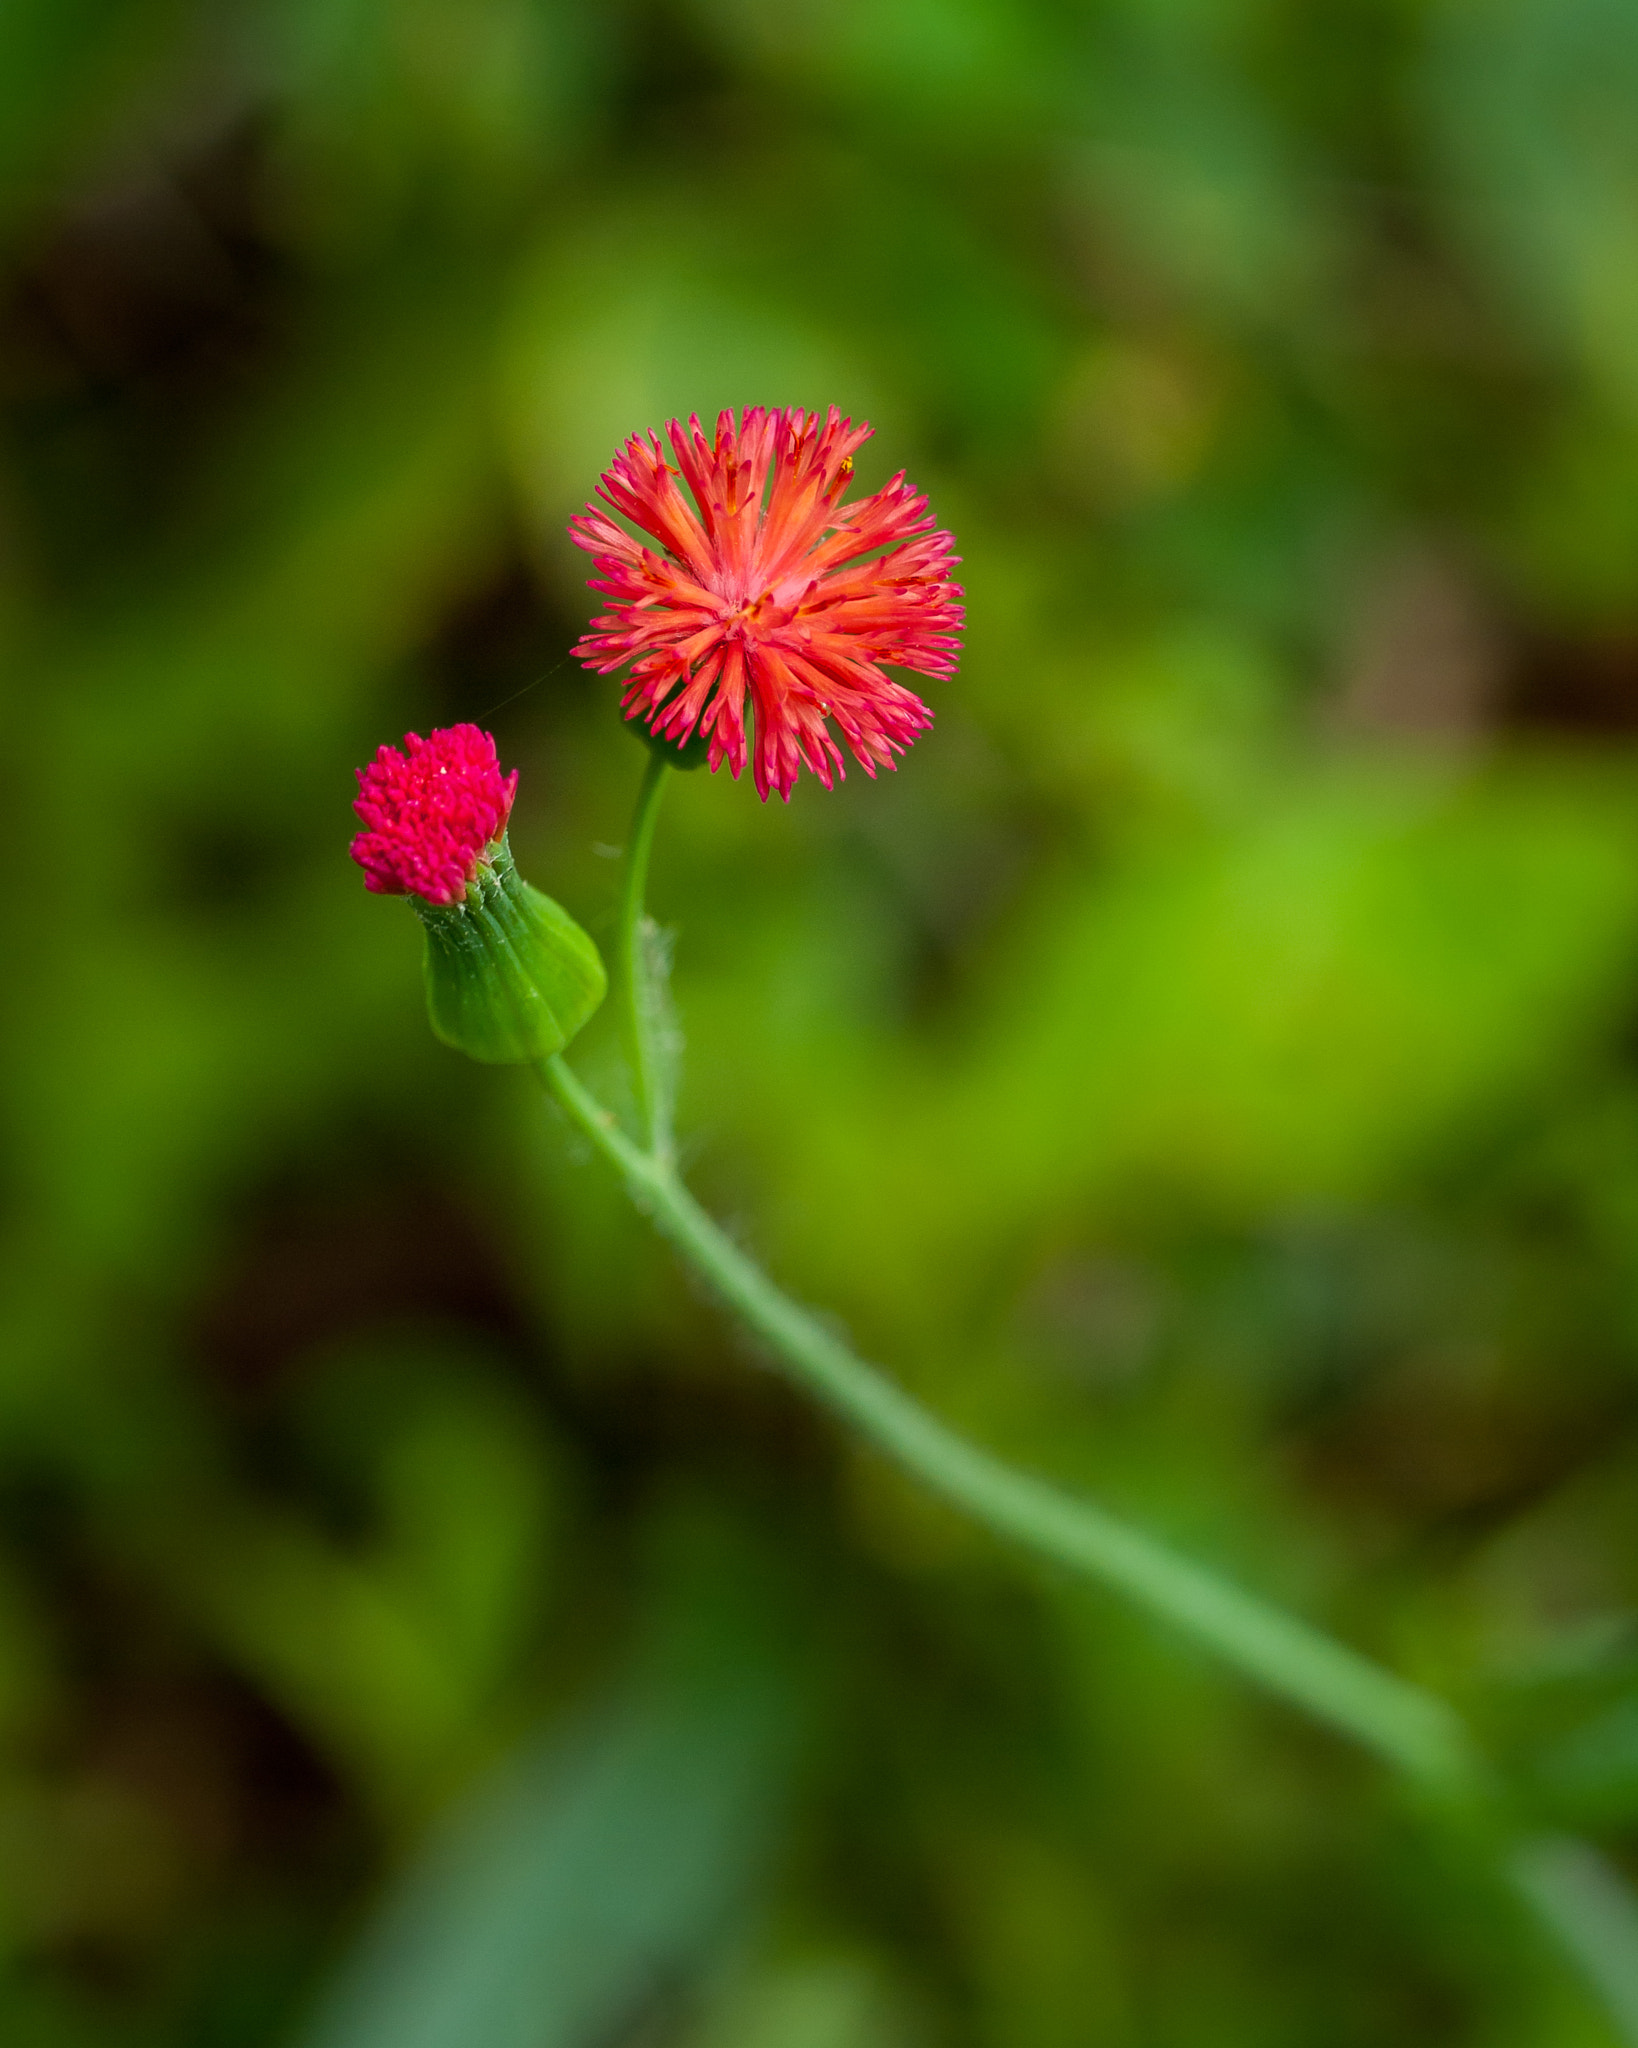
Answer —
1576 1894
1407 1727
637 1017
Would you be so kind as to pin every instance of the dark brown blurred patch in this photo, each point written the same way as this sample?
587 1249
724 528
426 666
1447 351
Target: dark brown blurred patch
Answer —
1433 654
1450 1437
502 643
234 1781
162 1792
163 273
319 1261
147 308
1578 685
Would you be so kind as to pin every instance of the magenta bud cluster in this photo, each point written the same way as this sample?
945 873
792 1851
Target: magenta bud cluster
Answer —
430 813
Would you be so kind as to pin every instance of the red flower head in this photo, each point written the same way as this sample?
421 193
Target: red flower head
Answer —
430 813
788 602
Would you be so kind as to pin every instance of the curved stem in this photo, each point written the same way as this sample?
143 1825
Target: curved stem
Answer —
1409 1728
638 1019
1573 1892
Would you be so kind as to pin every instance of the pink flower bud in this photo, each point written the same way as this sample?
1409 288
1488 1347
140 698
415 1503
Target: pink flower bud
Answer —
431 813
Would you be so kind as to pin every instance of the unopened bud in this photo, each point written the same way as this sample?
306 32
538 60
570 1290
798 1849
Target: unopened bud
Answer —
510 976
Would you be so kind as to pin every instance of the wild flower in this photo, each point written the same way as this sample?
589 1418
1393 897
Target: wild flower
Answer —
768 595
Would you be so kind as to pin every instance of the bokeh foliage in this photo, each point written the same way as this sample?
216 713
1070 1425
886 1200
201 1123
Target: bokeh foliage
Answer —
1206 1070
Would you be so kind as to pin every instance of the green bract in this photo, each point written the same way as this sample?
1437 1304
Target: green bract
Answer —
510 976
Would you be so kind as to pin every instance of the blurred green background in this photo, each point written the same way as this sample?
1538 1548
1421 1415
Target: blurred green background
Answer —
1208 1071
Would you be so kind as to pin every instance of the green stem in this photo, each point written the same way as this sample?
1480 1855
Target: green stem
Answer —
1574 1892
639 1023
1407 1727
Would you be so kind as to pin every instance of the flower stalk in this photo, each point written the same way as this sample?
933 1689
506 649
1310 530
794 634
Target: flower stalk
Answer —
1574 1893
639 988
1407 1727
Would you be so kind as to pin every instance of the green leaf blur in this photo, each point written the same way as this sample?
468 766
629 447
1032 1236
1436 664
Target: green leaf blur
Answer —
1205 1071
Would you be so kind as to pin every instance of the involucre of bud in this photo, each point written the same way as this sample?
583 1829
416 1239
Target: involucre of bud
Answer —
510 976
